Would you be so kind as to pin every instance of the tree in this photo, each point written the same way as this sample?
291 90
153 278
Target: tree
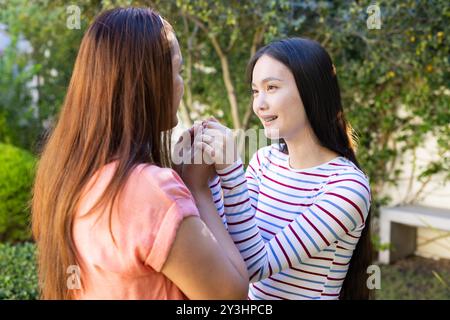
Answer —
49 64
394 80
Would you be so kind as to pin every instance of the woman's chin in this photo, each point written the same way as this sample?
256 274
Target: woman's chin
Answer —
171 126
174 123
272 133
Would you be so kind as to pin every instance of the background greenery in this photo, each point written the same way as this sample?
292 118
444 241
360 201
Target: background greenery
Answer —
18 276
394 81
16 178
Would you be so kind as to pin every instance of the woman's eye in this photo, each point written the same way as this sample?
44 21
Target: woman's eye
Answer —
254 91
271 88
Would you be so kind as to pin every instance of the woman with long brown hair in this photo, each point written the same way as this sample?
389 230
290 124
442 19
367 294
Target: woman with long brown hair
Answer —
105 200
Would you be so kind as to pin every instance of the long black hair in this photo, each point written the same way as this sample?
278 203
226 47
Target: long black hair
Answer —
316 80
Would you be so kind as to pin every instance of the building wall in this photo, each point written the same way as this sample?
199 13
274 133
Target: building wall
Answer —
431 243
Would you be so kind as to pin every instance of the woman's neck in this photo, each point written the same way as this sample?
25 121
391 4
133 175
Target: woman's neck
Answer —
305 151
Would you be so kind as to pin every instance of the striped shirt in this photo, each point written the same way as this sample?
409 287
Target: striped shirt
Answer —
295 229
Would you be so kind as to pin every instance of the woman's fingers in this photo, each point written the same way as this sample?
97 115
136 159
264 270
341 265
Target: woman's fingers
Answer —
213 119
196 129
183 139
217 136
198 145
214 125
224 150
183 144
215 141
206 152
210 141
224 144
191 133
205 137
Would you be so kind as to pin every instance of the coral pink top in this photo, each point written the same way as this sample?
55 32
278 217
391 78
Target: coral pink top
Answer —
152 205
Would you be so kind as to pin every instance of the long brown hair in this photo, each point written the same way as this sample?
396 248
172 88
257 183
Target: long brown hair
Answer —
118 107
315 74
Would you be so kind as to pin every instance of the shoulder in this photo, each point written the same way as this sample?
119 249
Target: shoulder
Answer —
347 174
348 184
156 198
266 153
162 203
158 182
156 175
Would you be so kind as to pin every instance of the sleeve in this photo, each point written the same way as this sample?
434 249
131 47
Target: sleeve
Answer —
217 196
172 202
341 208
252 176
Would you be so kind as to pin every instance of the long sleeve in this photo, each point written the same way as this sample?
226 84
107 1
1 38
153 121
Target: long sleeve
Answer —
217 196
338 211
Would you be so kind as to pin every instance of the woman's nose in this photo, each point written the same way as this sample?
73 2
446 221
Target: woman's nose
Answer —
260 103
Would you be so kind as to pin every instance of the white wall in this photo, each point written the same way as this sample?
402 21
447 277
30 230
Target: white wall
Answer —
436 194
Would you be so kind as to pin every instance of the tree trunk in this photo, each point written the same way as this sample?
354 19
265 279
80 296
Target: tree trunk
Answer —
231 93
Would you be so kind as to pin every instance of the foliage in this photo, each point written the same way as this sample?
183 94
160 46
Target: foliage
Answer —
18 275
18 123
394 80
54 47
394 83
16 177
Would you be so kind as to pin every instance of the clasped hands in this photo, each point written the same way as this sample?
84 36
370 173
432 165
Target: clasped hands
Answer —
201 150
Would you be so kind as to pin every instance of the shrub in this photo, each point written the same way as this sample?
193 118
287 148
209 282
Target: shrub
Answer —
18 272
16 178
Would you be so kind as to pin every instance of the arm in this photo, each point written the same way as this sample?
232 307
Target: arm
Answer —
217 197
204 262
181 153
209 215
340 209
199 265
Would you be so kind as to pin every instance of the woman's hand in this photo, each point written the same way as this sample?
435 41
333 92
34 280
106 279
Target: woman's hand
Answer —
196 167
181 150
220 143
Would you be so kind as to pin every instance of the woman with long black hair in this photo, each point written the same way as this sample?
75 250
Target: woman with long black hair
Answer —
300 213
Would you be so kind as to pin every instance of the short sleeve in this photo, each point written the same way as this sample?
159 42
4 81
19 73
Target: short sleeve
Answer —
170 203
167 231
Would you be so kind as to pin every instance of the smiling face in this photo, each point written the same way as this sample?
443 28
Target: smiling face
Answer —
276 100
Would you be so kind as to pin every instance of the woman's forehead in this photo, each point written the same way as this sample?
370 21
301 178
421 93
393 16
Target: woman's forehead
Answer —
268 68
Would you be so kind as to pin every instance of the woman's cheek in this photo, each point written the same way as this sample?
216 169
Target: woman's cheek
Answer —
181 87
180 84
178 90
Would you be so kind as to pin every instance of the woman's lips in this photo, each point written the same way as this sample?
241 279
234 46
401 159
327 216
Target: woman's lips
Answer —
267 121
